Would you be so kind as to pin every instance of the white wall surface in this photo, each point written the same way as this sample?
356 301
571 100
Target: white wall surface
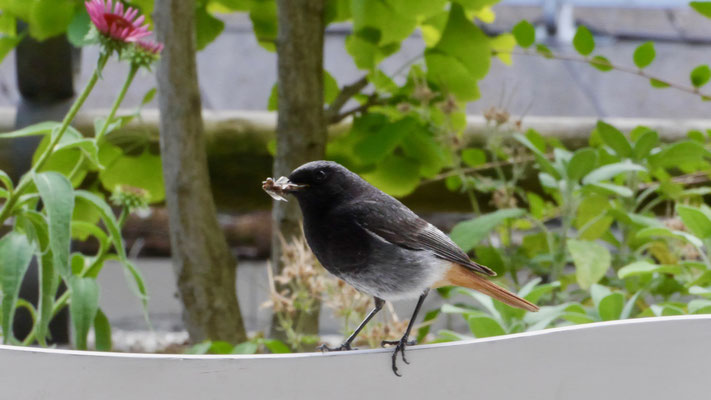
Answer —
655 358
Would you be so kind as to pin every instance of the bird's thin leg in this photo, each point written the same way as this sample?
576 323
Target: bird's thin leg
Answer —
403 342
347 344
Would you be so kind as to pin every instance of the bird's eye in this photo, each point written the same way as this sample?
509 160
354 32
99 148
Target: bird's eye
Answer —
320 176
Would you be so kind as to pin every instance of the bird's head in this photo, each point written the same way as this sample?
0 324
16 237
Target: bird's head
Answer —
322 183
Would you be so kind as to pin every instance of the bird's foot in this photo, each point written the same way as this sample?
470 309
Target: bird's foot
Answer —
343 347
399 348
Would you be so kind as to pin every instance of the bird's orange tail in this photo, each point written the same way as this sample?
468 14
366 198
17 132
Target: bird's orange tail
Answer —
460 276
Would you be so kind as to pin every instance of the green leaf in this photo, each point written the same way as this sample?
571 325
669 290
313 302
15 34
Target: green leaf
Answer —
700 75
610 189
503 45
381 81
697 220
207 27
678 153
702 7
449 73
423 146
582 162
102 331
263 14
374 147
245 348
41 128
583 41
644 54
460 58
646 268
273 102
49 283
469 233
108 217
541 158
276 346
615 139
544 50
49 18
601 63
78 29
5 179
644 145
395 175
143 171
700 306
609 171
591 261
525 33
381 17
656 83
15 255
484 326
83 307
591 214
610 307
58 198
666 232
473 157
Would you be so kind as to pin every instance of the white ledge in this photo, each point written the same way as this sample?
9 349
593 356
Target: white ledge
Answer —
650 358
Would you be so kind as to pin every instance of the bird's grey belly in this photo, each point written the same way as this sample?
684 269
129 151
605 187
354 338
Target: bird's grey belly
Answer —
399 274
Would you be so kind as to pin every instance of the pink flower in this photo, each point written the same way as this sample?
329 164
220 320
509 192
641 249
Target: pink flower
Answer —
149 46
111 20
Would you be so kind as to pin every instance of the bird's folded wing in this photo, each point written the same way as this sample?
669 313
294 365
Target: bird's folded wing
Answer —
396 224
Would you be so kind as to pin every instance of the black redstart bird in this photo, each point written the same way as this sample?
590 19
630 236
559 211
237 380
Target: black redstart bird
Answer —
373 242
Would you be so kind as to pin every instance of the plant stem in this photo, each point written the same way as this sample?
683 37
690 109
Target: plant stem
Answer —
601 63
129 79
56 137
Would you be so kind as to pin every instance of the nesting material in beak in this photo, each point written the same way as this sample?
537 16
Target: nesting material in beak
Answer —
277 189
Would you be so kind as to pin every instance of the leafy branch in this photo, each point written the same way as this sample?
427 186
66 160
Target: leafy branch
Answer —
605 65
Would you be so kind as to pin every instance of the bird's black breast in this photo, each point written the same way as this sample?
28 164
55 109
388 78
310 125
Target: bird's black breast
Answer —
338 242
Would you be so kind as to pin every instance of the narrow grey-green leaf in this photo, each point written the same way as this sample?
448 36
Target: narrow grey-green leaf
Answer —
591 261
41 128
83 306
6 181
102 331
643 267
58 197
15 256
697 220
615 139
109 220
468 234
644 145
582 162
611 170
484 326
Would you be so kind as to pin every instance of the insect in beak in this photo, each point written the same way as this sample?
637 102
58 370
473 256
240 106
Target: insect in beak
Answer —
282 186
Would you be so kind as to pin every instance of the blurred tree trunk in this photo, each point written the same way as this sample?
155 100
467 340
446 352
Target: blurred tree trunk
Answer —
301 126
204 268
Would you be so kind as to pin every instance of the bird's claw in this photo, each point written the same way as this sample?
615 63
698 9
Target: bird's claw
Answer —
343 347
399 347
